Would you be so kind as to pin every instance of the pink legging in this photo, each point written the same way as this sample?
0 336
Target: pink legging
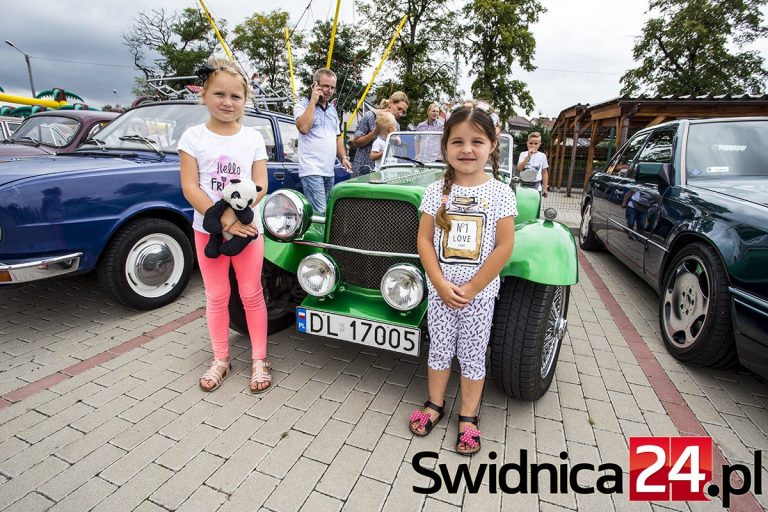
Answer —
215 273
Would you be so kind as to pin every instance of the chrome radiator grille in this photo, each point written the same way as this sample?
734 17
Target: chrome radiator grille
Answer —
374 225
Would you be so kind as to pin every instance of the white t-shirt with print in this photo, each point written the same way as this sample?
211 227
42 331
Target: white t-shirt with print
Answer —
378 145
222 158
474 212
538 162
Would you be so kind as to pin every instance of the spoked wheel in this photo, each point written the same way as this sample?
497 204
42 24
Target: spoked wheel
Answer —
528 329
694 311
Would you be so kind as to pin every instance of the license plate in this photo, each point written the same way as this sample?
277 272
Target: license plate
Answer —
365 332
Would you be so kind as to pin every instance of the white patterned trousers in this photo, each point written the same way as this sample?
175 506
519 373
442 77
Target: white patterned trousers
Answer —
463 333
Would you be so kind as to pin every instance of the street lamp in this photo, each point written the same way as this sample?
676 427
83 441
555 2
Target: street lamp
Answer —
29 66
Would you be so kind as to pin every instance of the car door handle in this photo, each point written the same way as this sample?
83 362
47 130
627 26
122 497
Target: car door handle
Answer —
279 175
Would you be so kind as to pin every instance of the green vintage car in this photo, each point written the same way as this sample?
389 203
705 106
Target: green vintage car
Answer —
355 275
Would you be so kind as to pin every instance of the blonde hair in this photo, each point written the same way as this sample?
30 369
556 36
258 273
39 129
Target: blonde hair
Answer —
384 121
534 135
433 104
221 65
396 97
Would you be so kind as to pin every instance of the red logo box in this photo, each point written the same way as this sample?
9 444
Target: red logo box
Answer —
669 468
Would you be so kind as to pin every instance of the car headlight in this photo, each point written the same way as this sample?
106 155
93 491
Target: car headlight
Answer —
318 275
287 214
403 287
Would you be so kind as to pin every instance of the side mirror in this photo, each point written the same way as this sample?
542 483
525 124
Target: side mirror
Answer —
666 175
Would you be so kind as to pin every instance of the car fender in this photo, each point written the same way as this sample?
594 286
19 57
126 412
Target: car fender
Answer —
560 267
154 209
288 255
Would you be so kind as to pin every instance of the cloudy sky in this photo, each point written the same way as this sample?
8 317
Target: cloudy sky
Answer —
582 47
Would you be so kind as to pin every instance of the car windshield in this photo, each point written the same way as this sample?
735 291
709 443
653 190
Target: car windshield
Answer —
417 148
159 124
727 149
49 130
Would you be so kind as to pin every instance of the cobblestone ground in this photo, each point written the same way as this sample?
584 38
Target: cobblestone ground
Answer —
100 410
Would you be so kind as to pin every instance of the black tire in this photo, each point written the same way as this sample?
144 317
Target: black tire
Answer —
528 328
276 282
695 309
587 238
147 264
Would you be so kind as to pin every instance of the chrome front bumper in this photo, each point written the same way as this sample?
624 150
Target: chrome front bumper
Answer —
35 270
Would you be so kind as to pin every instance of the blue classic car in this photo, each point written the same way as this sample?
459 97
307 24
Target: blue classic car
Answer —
685 206
115 204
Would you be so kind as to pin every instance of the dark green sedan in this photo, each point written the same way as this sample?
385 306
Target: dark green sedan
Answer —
685 206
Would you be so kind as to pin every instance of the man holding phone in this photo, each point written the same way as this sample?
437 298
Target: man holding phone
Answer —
319 140
536 160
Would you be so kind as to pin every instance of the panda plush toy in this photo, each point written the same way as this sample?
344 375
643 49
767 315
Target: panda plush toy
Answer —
240 195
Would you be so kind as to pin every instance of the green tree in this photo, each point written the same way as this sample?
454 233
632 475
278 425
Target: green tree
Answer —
493 51
698 47
423 66
261 37
179 41
348 60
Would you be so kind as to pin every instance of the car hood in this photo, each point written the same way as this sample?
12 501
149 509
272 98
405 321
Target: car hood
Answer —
753 189
14 170
16 150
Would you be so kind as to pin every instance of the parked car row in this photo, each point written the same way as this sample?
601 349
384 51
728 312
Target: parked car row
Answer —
684 205
115 203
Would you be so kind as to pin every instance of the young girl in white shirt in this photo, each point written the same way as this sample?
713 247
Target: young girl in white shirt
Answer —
212 154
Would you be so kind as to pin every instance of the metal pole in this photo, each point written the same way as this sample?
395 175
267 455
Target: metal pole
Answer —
333 34
29 70
29 65
216 31
290 62
376 71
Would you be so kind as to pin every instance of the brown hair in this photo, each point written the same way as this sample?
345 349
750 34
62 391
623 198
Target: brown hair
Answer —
483 122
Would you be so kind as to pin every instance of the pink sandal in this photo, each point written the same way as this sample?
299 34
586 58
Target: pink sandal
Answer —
214 375
260 375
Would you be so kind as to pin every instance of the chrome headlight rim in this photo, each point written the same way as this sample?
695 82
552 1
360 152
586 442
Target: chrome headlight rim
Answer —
302 207
414 272
331 267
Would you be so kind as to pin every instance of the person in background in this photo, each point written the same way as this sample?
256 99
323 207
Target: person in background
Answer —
320 140
366 132
536 160
428 148
385 124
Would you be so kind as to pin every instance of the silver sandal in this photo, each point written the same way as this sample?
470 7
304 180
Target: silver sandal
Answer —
260 374
214 375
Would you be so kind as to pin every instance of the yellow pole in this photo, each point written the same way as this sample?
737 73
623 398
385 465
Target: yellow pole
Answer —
216 30
290 63
333 34
376 72
23 100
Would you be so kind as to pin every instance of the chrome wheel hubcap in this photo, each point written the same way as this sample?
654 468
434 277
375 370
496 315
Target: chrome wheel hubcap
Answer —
151 267
686 302
586 219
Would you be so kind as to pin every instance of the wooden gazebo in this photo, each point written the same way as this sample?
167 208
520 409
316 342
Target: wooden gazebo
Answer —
621 117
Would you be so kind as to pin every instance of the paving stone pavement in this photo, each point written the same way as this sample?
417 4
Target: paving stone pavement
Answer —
130 430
